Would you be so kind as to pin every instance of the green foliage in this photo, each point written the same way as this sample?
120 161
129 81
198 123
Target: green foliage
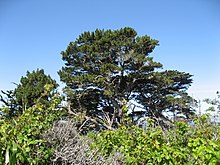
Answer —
20 141
104 69
30 89
183 144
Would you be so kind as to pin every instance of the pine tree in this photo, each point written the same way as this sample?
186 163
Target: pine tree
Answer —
105 71
30 89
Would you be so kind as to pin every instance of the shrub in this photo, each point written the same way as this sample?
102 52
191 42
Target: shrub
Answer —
182 144
71 148
20 139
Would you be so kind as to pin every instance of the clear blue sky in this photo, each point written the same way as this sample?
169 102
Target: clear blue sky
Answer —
34 32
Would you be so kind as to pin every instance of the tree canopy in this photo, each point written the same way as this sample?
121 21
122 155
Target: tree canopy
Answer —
106 71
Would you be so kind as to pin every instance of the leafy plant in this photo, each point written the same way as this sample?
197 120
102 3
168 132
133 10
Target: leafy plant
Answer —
20 139
183 144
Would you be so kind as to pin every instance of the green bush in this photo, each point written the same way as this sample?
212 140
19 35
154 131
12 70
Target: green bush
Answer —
183 144
20 141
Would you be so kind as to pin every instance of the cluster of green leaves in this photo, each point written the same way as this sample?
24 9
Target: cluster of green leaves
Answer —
183 144
20 139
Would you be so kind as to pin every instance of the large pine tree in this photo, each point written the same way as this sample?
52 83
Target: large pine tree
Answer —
105 71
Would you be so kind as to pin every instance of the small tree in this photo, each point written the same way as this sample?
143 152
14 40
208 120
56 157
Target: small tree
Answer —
107 70
31 88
